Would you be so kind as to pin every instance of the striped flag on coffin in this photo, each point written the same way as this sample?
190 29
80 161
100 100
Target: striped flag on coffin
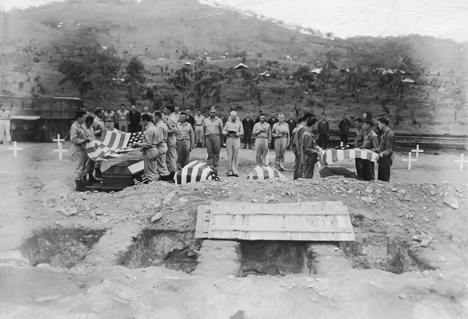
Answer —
331 156
262 173
112 144
195 171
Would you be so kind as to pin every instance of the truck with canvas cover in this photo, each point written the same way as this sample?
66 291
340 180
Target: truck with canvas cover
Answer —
41 118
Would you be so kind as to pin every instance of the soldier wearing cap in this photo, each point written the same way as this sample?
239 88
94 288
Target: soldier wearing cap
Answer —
5 117
213 135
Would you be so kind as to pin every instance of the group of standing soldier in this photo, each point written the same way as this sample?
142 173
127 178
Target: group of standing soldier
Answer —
169 138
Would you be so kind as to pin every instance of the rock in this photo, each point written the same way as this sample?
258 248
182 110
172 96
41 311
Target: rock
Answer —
403 296
167 200
439 215
369 190
68 212
266 199
451 201
254 200
156 217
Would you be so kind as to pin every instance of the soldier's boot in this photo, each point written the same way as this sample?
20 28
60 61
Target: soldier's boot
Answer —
85 181
79 186
98 173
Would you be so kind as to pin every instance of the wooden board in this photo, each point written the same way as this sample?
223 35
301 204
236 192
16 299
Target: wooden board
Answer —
203 220
308 221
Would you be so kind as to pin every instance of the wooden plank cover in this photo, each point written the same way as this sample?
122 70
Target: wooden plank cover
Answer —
308 221
203 220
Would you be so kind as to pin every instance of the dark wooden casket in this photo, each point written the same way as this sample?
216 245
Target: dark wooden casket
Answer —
122 175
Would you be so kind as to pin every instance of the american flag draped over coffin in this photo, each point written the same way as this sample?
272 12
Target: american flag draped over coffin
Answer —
195 171
332 155
112 144
262 173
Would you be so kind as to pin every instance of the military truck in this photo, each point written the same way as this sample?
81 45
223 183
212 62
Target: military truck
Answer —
41 118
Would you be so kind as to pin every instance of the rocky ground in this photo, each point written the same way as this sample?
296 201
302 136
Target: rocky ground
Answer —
99 255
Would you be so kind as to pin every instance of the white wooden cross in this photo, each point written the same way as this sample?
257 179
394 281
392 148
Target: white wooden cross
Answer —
409 160
15 149
60 150
462 160
58 140
417 151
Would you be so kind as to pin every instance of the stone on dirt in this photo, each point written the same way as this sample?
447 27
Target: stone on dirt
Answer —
451 201
156 217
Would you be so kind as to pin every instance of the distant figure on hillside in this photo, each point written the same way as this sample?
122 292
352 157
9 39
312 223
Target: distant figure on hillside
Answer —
292 125
324 131
134 118
248 125
122 118
385 150
344 126
109 119
199 118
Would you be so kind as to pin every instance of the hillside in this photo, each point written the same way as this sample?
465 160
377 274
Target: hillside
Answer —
96 40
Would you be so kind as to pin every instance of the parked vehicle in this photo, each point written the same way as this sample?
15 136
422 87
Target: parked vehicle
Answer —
41 118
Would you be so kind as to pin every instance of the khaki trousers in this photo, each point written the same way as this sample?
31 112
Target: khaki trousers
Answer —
171 155
183 153
261 148
5 131
232 147
280 150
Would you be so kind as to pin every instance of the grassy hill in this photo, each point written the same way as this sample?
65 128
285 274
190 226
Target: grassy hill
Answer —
160 33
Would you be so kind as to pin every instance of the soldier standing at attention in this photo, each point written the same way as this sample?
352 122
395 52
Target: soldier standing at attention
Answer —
248 125
161 146
292 125
358 144
199 118
280 133
5 118
324 130
309 150
297 143
171 155
371 142
233 131
386 149
344 126
78 150
185 140
98 127
122 118
109 119
151 138
213 135
272 121
262 133
134 118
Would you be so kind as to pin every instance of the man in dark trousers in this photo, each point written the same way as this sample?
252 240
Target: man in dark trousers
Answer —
224 119
292 125
272 121
386 149
248 125
134 119
344 126
190 119
358 144
323 130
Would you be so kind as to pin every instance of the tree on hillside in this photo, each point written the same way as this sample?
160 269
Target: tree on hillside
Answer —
75 73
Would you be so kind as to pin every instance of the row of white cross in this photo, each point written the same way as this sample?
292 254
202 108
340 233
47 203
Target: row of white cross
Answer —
60 150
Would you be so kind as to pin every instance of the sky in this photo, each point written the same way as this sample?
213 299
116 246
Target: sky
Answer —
345 18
